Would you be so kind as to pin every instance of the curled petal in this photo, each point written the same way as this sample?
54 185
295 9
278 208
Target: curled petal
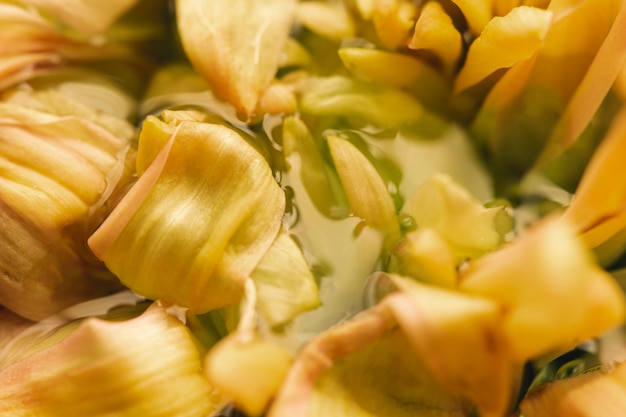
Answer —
554 294
197 222
94 371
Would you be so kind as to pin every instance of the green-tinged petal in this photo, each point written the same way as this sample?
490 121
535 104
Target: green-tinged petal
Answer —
425 255
470 229
314 171
328 19
390 68
236 45
504 41
147 366
87 16
154 135
284 283
436 322
342 96
435 32
553 293
367 195
247 372
340 264
598 393
477 13
56 174
197 222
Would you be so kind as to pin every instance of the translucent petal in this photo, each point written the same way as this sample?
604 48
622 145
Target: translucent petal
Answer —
284 283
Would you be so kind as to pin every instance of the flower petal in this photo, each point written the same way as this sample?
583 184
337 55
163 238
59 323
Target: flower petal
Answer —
505 41
197 222
236 45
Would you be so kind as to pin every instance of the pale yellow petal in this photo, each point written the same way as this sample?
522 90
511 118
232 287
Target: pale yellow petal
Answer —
328 19
236 45
284 282
87 16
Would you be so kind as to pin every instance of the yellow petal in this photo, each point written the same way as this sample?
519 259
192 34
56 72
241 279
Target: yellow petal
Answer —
328 19
87 16
394 20
554 294
338 95
477 13
55 176
362 367
601 195
608 56
367 194
424 255
236 45
470 229
394 69
96 369
284 283
504 42
436 322
249 372
314 172
435 32
197 222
